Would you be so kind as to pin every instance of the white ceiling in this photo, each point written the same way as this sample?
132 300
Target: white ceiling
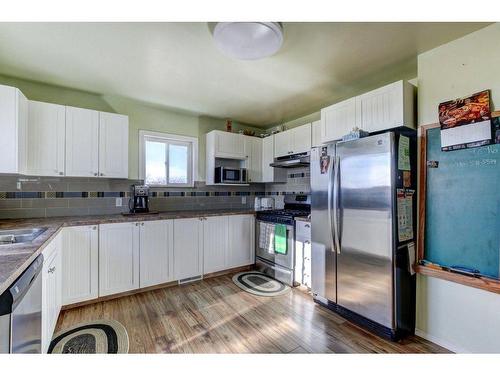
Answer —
177 64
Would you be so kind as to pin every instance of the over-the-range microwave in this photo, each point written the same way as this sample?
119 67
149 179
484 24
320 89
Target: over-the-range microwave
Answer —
225 175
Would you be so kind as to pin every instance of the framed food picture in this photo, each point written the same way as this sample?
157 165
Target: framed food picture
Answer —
466 122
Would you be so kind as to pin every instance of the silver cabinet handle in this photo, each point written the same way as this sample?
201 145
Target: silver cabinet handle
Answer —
102 174
51 270
136 224
61 173
142 224
307 226
307 242
94 227
96 174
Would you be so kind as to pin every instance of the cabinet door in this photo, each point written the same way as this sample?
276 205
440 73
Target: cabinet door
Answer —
156 252
188 248
301 137
316 133
45 139
13 122
253 148
50 310
267 158
381 109
229 145
80 265
82 142
113 145
283 144
338 120
118 258
241 248
215 240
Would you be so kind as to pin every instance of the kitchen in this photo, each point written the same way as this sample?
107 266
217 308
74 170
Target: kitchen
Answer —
130 227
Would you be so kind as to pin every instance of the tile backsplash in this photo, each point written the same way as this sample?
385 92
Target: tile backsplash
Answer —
26 197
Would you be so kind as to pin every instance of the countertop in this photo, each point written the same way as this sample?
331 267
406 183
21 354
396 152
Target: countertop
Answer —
303 218
14 259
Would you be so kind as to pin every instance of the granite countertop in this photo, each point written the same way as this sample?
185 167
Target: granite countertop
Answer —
14 259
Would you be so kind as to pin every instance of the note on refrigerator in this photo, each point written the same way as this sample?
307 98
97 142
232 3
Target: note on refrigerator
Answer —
405 214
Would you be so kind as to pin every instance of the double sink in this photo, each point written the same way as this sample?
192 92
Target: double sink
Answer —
19 236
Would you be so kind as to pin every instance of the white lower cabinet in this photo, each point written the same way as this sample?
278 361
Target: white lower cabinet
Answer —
51 290
215 243
118 258
241 240
188 248
156 252
80 264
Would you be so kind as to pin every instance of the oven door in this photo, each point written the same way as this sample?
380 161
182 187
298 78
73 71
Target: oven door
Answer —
284 260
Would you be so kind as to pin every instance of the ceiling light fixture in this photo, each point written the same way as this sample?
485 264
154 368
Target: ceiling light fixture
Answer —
248 40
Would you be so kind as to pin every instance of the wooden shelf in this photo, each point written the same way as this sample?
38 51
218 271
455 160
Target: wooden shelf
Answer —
484 283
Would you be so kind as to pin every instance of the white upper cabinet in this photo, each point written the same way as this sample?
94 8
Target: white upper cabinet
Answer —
293 141
156 252
253 151
80 264
13 122
241 250
229 145
385 108
283 144
316 133
46 139
113 145
82 142
188 248
301 138
215 242
118 258
338 120
270 174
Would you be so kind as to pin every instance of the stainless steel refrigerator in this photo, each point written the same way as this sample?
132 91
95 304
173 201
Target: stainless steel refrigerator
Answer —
360 262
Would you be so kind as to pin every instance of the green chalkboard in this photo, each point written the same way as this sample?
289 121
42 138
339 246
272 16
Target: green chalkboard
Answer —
462 213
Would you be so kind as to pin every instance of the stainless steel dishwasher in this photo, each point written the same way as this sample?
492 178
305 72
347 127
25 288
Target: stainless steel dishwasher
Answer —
21 312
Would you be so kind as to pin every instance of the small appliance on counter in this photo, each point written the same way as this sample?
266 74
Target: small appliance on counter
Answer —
262 203
139 200
225 175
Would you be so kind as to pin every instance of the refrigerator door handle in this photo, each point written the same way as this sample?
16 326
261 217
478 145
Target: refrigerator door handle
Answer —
330 205
336 189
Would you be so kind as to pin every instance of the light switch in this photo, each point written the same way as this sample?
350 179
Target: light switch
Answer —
118 202
243 200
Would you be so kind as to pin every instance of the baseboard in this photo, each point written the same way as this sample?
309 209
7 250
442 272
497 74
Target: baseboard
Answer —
154 287
436 340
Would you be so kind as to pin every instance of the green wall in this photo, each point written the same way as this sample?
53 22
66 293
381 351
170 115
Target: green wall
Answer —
141 116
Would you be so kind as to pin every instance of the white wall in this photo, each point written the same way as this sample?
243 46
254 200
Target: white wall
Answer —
461 318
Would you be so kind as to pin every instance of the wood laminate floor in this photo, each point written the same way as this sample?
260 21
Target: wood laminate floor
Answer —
215 316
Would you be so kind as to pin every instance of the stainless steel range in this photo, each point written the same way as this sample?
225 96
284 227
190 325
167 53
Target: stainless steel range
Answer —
279 265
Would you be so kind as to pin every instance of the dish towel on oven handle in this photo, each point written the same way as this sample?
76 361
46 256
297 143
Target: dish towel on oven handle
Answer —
280 241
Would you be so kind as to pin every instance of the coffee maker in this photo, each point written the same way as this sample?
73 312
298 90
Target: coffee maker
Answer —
140 196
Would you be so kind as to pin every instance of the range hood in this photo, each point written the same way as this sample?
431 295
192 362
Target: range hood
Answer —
292 161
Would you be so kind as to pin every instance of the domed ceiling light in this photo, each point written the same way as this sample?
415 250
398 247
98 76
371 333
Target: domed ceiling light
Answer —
248 40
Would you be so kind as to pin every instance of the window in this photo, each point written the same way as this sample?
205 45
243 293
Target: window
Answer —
166 159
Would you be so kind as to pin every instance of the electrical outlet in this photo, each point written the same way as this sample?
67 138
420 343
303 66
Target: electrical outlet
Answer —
243 200
118 202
